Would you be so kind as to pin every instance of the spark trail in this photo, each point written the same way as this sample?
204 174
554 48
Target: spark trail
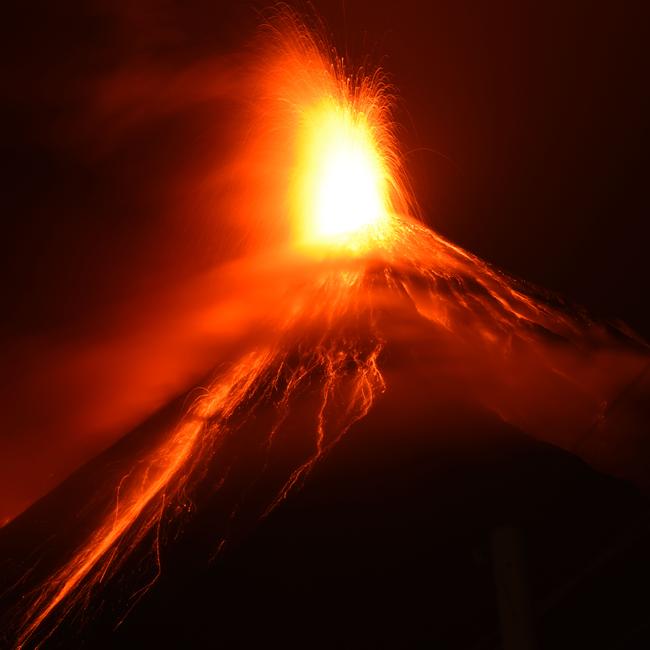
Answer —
362 258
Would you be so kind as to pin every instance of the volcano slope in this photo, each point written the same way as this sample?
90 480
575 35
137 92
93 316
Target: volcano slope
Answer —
334 479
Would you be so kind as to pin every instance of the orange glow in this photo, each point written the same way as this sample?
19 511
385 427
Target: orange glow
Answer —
324 147
340 191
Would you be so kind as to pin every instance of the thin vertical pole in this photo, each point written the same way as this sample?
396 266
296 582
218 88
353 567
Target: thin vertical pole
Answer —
515 612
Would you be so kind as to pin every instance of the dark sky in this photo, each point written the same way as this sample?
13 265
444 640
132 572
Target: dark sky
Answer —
526 136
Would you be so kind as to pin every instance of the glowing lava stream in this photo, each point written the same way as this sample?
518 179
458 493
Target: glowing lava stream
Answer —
348 203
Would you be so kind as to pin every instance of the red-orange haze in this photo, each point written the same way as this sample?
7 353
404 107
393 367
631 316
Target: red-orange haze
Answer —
337 268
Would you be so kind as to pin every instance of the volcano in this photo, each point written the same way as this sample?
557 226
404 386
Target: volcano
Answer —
333 406
266 500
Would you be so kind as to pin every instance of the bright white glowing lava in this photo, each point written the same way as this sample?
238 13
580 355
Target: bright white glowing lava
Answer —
348 195
341 180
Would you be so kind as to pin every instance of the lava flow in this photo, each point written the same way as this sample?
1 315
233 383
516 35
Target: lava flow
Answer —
354 258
